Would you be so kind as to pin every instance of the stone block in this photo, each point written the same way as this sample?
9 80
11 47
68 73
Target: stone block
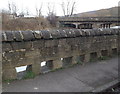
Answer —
62 42
74 60
32 54
45 34
9 35
82 33
27 35
28 45
55 34
87 57
108 31
37 34
87 33
18 45
4 37
63 33
77 33
17 36
71 41
25 61
48 52
43 53
9 73
36 67
6 47
57 64
99 54
51 43
77 40
38 44
12 56
116 31
70 33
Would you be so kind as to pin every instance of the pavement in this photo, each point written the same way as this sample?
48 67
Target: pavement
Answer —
78 78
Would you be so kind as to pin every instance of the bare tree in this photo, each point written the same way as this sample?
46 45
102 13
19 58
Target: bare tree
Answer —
21 14
9 7
36 11
72 10
51 9
68 8
39 10
12 9
27 11
52 15
63 8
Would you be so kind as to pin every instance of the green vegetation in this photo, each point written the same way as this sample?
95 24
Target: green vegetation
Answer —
57 69
9 80
29 75
79 62
103 58
93 59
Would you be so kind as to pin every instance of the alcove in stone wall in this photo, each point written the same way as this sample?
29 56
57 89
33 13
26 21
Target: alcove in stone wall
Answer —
93 56
114 51
67 61
104 53
80 59
46 66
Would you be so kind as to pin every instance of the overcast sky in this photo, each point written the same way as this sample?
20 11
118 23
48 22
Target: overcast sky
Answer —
81 5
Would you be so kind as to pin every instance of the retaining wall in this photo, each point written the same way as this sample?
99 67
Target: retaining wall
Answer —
59 48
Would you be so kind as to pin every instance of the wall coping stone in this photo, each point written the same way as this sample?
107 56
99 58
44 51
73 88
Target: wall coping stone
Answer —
10 36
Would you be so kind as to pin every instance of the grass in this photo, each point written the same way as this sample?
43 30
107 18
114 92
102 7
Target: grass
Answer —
79 62
29 75
9 80
103 58
57 69
93 59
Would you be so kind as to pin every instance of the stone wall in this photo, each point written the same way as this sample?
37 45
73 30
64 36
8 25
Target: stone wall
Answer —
59 48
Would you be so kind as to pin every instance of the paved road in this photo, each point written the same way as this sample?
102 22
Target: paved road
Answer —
75 79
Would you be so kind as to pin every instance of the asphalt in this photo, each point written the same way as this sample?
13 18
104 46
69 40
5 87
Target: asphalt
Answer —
78 78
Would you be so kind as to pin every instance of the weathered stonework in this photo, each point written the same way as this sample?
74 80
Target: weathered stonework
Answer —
22 48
